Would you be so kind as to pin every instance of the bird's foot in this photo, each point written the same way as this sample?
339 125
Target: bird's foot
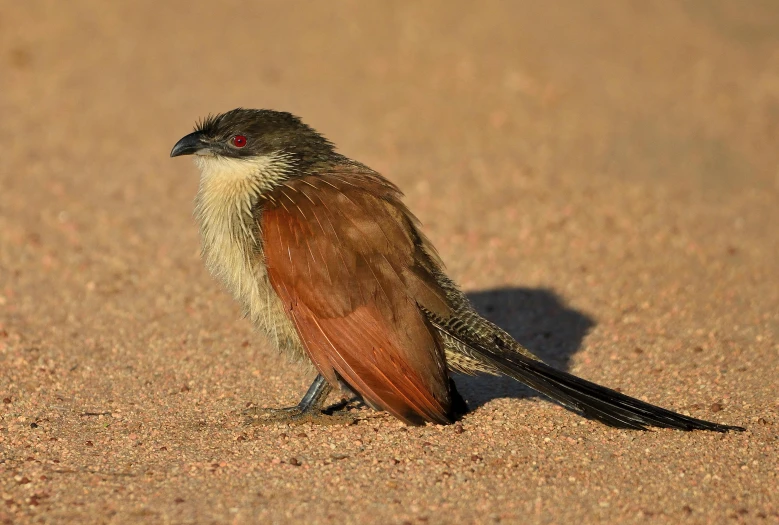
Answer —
339 414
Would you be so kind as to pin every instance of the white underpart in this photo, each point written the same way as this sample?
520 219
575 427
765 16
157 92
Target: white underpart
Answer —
229 189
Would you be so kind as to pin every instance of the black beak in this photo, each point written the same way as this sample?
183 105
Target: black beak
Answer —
189 145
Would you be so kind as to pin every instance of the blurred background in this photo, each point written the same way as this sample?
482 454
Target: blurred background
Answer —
602 177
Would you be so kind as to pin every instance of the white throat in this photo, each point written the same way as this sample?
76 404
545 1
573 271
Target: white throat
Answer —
263 171
229 189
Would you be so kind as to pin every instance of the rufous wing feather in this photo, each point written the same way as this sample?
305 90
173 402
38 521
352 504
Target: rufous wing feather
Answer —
345 265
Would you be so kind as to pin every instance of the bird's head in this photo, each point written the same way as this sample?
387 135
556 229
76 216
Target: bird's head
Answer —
253 135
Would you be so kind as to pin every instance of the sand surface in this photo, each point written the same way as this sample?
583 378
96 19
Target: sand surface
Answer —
601 177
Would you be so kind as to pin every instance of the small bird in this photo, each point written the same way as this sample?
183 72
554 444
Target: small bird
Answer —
331 266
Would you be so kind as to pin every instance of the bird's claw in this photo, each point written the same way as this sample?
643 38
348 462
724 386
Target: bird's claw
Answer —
258 416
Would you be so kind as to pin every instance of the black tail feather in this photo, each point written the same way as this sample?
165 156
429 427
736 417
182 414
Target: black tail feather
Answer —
592 400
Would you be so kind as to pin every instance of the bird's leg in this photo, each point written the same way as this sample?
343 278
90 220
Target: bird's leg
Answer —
310 409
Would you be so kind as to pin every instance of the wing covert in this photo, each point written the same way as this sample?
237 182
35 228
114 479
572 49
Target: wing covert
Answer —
342 254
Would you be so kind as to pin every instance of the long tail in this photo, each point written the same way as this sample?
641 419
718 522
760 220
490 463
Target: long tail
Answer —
480 340
592 400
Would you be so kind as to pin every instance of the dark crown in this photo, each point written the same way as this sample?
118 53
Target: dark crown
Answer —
266 131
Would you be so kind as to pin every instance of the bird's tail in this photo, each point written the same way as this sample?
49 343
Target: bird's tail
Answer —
592 400
482 341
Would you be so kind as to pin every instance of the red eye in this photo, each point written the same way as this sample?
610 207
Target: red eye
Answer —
239 141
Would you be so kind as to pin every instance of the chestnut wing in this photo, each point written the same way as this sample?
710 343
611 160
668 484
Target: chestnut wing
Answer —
342 254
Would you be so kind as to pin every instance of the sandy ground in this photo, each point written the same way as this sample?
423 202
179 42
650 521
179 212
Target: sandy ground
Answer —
601 177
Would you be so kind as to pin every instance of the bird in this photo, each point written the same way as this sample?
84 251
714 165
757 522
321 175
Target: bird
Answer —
330 265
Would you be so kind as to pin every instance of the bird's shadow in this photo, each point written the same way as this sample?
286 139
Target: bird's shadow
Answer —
539 320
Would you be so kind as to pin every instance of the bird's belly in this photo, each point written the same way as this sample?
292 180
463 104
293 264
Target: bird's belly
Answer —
235 261
264 308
